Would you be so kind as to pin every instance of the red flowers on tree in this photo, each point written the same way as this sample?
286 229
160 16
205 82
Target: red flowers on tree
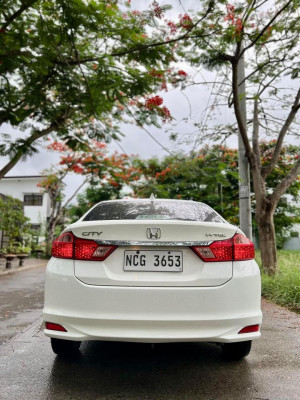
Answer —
166 115
186 22
182 73
230 13
237 22
153 72
153 102
157 10
172 27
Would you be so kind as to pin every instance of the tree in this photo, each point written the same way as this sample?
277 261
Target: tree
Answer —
210 175
13 221
94 164
93 194
75 68
266 34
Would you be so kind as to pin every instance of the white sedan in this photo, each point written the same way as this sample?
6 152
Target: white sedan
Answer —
152 271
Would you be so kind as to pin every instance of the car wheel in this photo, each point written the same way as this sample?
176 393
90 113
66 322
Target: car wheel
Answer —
63 347
236 351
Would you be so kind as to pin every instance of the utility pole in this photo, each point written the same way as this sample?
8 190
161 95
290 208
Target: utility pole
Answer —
244 172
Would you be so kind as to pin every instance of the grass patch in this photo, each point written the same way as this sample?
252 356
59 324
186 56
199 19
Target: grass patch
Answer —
284 287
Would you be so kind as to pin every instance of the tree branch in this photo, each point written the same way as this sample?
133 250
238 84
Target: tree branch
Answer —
237 110
285 183
261 33
37 134
255 135
294 109
15 15
74 194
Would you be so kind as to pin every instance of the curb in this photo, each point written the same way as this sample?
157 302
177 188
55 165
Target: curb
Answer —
20 269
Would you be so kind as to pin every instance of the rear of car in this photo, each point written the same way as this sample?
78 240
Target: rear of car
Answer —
152 271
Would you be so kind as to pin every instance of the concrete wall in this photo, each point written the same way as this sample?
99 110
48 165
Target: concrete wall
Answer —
17 187
293 243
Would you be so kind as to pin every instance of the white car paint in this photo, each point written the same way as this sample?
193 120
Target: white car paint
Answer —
98 300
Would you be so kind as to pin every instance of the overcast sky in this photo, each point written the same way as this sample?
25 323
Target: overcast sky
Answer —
197 104
137 141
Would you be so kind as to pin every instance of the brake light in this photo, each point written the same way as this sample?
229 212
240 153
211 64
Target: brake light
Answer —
62 247
69 246
217 251
243 248
237 248
89 250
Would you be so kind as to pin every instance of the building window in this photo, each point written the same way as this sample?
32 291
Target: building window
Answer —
35 227
294 234
33 199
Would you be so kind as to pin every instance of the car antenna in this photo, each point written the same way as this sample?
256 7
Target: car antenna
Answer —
152 197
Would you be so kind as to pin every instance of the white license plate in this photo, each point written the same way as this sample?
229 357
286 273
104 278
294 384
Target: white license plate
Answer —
153 260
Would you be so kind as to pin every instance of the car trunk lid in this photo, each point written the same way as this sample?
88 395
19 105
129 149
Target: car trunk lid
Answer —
153 240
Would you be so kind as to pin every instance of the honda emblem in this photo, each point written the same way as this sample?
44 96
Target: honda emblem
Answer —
153 233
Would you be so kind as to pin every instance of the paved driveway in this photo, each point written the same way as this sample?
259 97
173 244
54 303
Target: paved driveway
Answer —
29 369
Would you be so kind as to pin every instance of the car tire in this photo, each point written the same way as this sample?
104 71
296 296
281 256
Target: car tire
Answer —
63 347
236 351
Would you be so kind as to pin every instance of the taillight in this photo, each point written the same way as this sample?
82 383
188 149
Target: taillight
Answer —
62 247
243 248
217 251
237 248
89 250
69 246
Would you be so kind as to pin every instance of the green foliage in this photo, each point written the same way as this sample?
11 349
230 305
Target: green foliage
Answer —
287 212
13 220
76 66
19 249
284 287
95 193
211 176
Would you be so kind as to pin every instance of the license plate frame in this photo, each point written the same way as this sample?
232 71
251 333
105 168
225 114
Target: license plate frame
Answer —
153 261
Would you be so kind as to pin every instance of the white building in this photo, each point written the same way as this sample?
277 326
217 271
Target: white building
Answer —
293 243
37 205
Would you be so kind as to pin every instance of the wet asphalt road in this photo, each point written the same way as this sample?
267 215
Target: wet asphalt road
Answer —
29 369
21 300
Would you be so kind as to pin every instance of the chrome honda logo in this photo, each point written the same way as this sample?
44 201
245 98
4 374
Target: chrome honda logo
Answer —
153 233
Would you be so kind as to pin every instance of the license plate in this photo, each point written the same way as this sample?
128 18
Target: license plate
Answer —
153 260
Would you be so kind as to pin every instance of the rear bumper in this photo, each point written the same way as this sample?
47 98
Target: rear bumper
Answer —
152 314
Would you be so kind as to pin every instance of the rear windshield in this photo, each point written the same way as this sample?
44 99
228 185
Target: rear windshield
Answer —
153 210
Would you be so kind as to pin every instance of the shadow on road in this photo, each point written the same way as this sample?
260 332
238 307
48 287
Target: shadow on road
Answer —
138 371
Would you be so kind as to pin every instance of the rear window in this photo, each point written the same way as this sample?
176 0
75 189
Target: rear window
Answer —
153 210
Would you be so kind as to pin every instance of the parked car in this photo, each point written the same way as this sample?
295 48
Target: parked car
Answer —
153 271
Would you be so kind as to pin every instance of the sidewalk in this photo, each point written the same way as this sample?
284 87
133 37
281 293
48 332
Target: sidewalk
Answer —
29 263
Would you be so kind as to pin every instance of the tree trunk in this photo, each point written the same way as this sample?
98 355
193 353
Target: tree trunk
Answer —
22 150
35 135
50 236
267 238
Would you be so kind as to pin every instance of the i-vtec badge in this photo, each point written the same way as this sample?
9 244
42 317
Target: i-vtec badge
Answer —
215 235
91 233
153 233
